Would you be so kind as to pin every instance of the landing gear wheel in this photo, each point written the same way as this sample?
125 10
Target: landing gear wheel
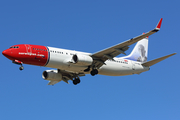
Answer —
94 72
76 81
21 68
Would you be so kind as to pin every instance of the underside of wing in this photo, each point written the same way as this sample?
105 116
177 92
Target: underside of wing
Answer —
55 76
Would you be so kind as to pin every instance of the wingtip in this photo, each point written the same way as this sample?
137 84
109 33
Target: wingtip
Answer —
171 54
159 24
174 53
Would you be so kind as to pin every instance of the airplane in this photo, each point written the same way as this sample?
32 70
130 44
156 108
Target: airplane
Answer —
71 65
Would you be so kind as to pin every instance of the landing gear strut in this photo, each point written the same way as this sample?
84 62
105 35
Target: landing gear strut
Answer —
76 81
88 69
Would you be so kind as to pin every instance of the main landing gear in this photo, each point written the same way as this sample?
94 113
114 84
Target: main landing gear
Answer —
76 81
93 72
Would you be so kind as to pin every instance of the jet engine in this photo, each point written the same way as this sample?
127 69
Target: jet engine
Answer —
82 59
52 75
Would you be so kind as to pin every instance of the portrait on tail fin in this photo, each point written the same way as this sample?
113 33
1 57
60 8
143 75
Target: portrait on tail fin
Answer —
142 53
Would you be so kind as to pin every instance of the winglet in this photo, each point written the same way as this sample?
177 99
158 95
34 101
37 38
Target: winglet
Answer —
159 24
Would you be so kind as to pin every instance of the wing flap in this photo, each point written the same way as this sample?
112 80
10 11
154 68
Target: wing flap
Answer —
152 62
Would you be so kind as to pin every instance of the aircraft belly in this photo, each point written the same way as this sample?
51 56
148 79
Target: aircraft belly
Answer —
116 69
121 69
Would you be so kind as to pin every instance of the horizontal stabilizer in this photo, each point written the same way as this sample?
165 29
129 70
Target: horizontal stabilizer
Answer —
152 62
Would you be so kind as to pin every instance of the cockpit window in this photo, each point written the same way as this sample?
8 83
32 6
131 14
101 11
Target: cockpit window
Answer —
15 47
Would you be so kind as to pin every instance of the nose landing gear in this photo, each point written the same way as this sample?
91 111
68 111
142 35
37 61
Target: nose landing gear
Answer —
18 63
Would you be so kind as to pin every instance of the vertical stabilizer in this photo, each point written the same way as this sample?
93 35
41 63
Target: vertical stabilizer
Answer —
140 51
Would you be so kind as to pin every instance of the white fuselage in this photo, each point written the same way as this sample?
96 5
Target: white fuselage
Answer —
61 59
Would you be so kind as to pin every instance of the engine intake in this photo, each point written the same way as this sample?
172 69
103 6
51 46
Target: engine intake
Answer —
82 59
52 75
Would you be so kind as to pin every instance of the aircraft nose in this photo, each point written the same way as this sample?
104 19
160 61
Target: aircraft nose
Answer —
6 53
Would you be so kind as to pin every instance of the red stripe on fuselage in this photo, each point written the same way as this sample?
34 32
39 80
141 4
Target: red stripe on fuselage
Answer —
29 54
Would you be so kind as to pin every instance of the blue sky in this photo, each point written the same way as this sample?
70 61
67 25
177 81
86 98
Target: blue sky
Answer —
90 26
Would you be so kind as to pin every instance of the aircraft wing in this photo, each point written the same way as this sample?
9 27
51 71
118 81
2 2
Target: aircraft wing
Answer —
111 52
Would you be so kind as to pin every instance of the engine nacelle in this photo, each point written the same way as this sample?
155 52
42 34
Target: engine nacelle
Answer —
82 59
52 75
